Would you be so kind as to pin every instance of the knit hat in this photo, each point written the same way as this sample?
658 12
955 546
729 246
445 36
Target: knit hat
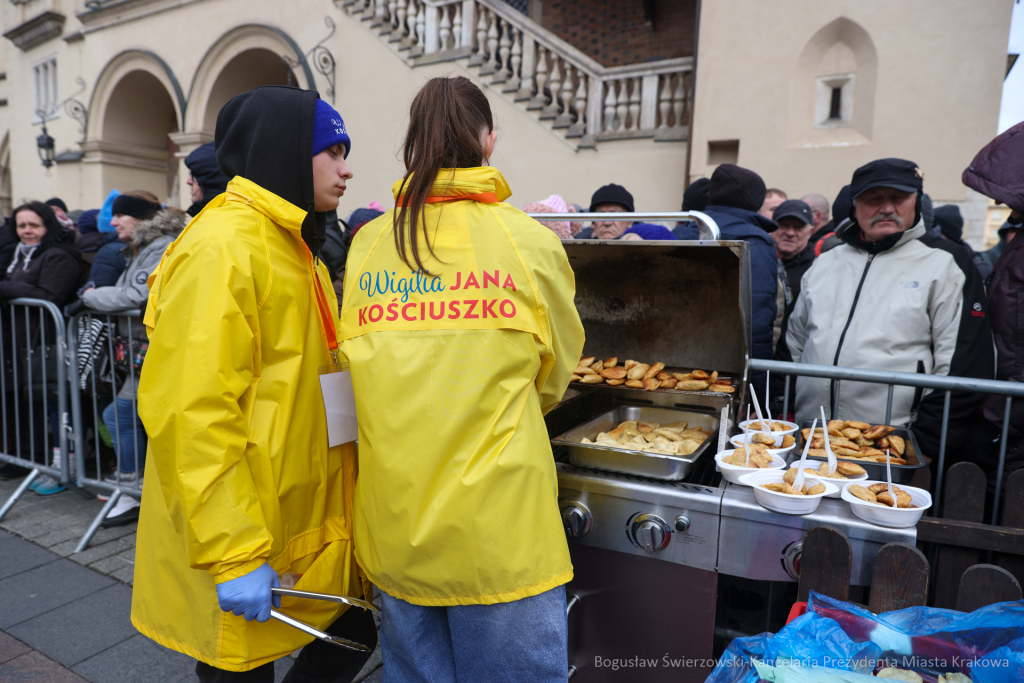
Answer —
87 221
736 187
57 203
612 194
950 222
842 207
136 207
696 196
927 212
565 230
329 129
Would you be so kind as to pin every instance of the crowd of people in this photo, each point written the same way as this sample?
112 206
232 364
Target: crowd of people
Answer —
251 489
878 279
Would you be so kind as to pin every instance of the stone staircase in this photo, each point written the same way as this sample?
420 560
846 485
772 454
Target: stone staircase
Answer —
547 77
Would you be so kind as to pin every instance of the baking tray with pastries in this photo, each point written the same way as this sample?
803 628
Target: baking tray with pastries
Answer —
866 444
649 376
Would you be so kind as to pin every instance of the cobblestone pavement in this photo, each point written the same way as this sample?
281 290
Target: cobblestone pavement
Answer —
65 615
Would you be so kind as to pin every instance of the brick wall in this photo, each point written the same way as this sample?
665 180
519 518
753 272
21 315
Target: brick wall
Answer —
613 32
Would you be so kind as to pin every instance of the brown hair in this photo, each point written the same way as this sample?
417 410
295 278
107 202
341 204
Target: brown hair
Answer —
446 120
776 191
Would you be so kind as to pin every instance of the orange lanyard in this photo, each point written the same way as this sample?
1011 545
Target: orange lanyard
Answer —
325 311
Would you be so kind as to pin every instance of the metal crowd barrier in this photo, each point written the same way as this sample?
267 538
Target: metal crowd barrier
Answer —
26 351
91 338
706 225
945 384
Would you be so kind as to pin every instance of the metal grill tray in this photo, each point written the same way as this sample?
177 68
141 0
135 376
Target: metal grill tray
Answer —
653 465
901 474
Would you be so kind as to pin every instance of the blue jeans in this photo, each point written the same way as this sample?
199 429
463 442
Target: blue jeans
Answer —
525 640
126 429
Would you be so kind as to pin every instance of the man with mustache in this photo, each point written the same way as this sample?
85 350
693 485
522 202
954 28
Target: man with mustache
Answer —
885 300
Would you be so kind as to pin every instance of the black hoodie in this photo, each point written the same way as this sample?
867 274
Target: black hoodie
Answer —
265 135
202 163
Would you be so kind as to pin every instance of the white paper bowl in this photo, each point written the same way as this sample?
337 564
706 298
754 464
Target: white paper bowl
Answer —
886 516
744 439
838 483
783 502
791 431
734 472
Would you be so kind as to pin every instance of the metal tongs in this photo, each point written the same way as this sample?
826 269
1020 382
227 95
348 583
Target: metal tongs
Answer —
317 633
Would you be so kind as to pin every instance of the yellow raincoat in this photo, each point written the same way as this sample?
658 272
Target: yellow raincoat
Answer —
239 468
456 502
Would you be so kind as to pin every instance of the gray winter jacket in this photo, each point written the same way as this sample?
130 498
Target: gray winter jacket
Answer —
148 242
912 308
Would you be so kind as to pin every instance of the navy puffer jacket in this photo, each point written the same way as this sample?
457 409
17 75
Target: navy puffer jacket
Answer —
752 227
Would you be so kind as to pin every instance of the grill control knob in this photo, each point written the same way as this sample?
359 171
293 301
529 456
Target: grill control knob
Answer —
651 533
576 518
682 523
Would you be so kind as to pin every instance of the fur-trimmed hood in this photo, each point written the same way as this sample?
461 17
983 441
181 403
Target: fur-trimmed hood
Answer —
169 221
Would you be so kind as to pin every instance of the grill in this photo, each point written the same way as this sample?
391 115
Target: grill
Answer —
649 535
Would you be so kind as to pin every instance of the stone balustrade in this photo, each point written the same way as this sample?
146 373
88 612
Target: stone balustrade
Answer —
558 83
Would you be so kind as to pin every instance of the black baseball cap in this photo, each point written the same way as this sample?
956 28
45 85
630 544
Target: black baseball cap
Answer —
898 174
796 208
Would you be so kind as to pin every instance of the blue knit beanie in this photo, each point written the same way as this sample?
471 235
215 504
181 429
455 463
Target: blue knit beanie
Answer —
329 129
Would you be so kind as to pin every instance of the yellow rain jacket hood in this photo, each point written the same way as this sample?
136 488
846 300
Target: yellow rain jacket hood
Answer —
456 502
239 471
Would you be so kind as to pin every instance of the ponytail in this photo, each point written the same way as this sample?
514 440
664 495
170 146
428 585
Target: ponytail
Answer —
446 122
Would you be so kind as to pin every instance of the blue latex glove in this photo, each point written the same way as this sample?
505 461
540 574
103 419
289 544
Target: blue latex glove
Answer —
249 596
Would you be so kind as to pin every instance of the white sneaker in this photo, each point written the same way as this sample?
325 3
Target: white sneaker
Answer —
125 511
122 478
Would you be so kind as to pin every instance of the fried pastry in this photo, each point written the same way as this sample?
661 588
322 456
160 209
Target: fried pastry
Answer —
848 469
575 378
898 444
650 384
851 433
638 371
788 441
675 426
722 389
614 373
669 383
592 379
611 362
653 371
614 382
630 364
863 493
700 374
692 385
635 384
586 362
878 431
682 376
814 490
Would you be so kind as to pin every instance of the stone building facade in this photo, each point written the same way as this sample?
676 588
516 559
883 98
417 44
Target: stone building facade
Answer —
127 88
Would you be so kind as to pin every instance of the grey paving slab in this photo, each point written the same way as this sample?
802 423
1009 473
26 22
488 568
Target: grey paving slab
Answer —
104 535
97 551
81 629
18 555
47 587
71 532
127 575
138 660
65 549
11 647
33 667
109 565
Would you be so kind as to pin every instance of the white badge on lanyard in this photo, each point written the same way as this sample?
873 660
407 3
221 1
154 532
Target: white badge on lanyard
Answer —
336 379
339 406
